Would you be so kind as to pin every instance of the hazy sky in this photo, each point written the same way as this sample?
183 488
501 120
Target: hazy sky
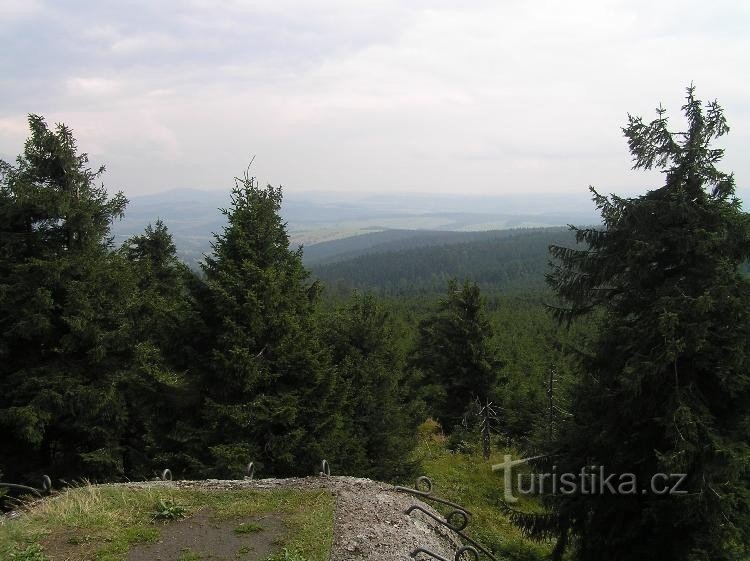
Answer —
470 96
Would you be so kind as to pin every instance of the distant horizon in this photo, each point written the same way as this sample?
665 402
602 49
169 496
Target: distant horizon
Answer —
583 193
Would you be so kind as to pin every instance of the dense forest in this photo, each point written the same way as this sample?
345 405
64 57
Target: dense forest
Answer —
515 261
395 240
119 361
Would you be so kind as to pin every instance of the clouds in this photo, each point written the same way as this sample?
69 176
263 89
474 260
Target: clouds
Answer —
14 10
92 87
472 96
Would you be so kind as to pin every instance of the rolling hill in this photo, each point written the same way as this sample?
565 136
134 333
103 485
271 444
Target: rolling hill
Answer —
507 260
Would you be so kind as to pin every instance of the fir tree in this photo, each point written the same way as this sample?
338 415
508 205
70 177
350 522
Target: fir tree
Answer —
163 322
379 417
665 386
62 312
455 355
269 394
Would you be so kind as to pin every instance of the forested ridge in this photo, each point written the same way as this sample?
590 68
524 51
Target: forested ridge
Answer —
512 261
116 362
395 240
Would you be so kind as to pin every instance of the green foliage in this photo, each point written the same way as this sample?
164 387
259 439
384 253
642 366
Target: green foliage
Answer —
268 395
468 479
455 356
380 423
63 307
163 321
665 385
247 528
167 510
512 261
32 552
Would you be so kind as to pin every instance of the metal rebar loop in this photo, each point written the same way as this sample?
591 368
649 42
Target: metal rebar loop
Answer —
426 493
456 527
45 489
458 557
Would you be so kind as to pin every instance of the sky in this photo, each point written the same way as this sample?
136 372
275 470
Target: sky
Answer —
470 97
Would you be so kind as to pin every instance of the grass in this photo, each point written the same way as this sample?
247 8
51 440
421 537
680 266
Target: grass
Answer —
247 528
188 555
31 552
106 521
468 479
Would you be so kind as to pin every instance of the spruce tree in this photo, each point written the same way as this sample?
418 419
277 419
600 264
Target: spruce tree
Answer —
665 385
156 389
269 393
63 297
455 355
378 411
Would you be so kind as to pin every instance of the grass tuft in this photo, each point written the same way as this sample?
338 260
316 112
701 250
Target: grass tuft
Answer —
248 528
189 555
32 552
167 510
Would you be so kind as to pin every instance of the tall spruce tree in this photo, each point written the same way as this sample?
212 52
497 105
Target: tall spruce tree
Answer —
379 419
269 393
63 297
455 356
665 386
162 320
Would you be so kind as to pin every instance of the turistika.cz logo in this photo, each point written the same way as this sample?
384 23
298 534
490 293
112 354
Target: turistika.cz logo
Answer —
591 480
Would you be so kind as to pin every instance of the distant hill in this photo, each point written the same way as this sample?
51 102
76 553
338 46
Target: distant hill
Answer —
508 260
314 219
389 241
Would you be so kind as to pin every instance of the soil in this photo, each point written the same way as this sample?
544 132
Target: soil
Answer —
202 537
69 546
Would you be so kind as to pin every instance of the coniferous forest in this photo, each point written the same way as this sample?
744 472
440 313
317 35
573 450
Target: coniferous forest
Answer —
118 360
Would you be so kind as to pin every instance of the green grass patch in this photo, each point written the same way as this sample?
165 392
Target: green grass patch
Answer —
468 479
32 552
247 528
188 555
311 531
105 522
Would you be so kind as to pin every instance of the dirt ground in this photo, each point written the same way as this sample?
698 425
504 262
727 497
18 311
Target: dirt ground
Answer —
201 537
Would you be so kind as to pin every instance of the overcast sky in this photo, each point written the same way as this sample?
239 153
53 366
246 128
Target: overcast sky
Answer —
363 96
